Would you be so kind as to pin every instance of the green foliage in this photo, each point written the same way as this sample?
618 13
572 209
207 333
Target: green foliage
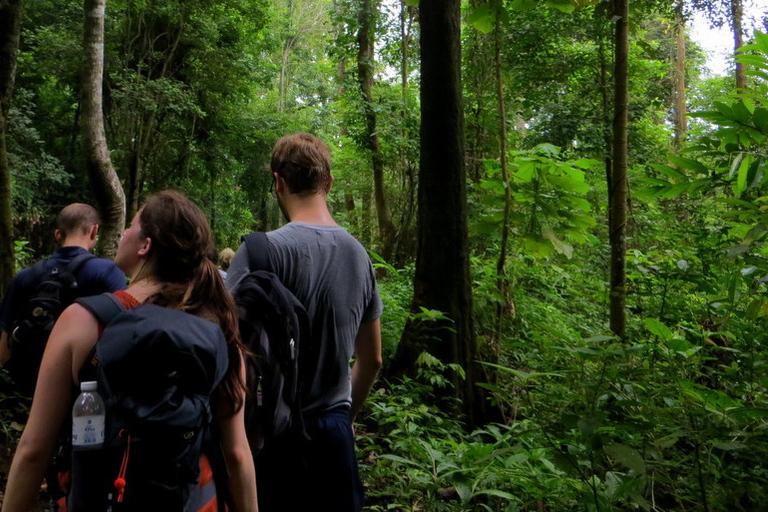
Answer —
550 211
23 254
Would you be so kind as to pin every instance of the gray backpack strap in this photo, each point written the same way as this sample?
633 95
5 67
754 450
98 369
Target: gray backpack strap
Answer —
104 307
257 246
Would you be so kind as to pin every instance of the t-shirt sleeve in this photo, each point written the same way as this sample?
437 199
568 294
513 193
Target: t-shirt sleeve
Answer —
114 278
375 306
238 268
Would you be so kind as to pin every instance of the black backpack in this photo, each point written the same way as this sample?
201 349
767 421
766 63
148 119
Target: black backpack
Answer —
55 289
274 326
156 370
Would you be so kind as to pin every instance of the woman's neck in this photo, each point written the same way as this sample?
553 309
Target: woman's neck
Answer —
143 288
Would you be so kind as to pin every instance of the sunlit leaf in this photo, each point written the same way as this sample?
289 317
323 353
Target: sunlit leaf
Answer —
658 328
483 18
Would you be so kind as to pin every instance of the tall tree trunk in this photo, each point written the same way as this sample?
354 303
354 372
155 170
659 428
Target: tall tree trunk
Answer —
10 29
606 105
618 190
737 15
285 61
502 282
442 279
403 247
365 63
104 181
680 109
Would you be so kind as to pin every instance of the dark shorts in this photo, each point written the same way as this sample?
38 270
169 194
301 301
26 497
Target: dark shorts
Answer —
296 475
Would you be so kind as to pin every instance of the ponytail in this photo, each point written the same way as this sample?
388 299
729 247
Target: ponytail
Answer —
190 281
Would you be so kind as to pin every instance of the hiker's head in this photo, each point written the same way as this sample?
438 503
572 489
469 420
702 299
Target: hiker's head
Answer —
304 162
181 240
77 224
170 243
225 258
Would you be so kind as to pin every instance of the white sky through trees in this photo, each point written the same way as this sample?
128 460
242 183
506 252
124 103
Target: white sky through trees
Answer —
717 42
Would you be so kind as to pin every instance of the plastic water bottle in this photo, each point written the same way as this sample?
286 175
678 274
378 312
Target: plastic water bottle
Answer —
88 418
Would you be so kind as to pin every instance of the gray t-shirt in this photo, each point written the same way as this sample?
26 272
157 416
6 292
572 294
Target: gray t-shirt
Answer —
330 272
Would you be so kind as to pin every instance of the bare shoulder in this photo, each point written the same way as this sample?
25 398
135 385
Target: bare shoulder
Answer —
75 326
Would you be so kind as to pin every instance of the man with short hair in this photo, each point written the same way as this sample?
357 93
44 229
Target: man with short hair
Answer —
76 228
330 272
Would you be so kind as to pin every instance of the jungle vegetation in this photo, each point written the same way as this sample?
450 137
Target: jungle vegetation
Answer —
568 215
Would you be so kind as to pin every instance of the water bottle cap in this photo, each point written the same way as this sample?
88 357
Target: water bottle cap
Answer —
88 385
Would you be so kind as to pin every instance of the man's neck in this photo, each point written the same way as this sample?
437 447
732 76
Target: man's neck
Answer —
74 241
311 209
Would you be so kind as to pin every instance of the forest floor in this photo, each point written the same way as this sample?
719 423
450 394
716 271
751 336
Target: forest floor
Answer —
13 412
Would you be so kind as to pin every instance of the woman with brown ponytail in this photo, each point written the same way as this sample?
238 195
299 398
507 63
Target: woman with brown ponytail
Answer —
167 253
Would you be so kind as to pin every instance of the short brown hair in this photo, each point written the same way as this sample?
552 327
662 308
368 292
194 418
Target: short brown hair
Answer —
303 161
77 218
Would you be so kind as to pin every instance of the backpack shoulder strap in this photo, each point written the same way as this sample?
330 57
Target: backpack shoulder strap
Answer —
78 261
257 246
105 307
39 271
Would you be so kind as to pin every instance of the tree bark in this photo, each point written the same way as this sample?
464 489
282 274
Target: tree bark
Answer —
104 181
606 110
618 189
502 282
680 109
365 62
737 15
10 29
442 278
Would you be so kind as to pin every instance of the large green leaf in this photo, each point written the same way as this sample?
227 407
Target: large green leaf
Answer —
741 179
760 118
483 18
522 5
658 328
688 163
560 246
741 112
671 172
562 5
627 456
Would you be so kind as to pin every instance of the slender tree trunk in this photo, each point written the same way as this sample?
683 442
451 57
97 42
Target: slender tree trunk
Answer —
442 279
680 109
7 263
737 16
366 222
10 29
606 104
403 246
285 58
365 62
404 41
104 181
502 281
618 190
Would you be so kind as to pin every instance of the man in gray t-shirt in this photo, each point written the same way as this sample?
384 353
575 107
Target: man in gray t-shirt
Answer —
330 273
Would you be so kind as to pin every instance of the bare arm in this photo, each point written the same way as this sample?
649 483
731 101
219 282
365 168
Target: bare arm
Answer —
242 475
367 364
71 339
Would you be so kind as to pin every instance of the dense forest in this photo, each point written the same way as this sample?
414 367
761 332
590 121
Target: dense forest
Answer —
567 212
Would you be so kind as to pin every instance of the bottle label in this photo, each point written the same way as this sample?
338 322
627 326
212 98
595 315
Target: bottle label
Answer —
88 431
